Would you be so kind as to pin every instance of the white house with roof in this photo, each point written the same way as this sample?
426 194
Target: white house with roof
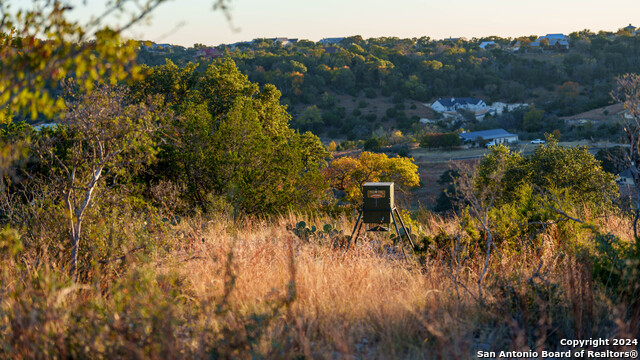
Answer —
498 108
499 136
456 104
284 41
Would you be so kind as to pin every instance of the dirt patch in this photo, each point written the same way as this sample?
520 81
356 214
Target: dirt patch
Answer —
607 113
429 173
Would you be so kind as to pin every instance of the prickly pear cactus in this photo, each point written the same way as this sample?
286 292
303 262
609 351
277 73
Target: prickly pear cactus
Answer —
302 231
327 233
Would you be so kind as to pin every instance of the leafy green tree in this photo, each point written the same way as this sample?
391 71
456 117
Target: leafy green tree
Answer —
14 139
232 139
447 199
574 169
551 167
568 91
101 140
372 144
177 85
613 159
532 119
440 140
310 119
267 172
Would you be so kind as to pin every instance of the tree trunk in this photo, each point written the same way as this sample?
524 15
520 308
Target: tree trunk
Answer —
636 214
76 226
75 242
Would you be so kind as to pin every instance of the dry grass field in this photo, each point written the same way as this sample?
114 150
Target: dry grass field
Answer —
252 289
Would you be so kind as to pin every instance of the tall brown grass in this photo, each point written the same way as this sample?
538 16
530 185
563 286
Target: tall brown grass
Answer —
253 289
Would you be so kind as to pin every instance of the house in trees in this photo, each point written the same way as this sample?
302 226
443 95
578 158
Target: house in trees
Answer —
625 177
498 136
161 47
209 53
457 104
284 41
498 108
554 41
631 29
331 41
487 45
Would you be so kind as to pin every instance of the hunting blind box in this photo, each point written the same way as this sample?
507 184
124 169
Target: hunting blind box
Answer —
378 202
379 210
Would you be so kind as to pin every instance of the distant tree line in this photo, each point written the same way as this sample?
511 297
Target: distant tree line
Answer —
420 69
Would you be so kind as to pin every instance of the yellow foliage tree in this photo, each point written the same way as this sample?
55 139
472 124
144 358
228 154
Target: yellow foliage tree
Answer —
348 173
42 46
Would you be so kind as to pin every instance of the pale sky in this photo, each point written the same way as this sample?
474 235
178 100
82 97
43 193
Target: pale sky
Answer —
313 20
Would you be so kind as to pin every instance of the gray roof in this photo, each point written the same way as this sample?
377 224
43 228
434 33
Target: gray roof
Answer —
626 174
462 101
486 134
334 40
554 36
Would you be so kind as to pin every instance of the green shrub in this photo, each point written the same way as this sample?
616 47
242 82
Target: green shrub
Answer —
372 144
370 93
616 265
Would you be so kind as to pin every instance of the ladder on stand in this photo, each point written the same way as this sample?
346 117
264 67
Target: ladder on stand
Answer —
395 216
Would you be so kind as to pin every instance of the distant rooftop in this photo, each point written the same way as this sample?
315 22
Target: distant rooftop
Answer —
486 134
626 174
462 101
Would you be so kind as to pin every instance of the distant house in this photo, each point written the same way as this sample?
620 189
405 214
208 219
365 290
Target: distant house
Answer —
330 41
499 136
498 108
452 39
487 45
161 47
284 41
555 41
456 104
209 52
631 29
625 177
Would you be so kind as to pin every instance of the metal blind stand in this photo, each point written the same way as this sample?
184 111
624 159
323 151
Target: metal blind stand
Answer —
380 228
378 209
